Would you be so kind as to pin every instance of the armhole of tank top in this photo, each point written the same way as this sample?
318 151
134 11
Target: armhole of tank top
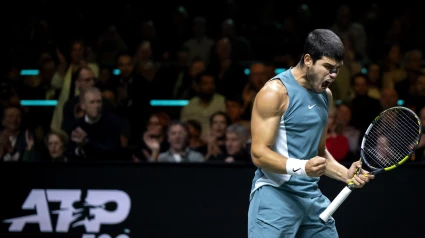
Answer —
274 79
326 97
289 103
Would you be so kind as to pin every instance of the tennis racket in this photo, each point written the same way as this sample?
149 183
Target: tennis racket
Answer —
388 142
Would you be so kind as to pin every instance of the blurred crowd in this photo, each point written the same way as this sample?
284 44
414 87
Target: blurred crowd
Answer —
104 88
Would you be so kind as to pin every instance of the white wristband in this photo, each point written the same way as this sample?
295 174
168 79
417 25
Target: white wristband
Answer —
296 167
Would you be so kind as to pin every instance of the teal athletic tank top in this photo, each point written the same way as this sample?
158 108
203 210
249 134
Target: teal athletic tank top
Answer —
300 129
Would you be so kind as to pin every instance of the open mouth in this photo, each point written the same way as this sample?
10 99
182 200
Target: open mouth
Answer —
325 84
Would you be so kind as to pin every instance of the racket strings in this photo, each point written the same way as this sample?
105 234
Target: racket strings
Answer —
392 137
397 153
397 144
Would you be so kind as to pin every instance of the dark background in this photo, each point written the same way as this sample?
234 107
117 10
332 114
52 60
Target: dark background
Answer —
79 19
212 200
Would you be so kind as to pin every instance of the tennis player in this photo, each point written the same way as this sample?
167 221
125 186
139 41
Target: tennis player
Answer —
289 125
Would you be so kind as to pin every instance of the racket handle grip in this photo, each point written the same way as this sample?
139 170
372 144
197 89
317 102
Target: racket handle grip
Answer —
324 216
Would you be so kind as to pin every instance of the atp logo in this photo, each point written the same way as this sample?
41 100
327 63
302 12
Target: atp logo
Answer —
88 208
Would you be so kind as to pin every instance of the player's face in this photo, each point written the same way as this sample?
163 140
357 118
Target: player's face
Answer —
322 73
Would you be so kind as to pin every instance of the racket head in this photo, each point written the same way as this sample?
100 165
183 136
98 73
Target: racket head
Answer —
391 139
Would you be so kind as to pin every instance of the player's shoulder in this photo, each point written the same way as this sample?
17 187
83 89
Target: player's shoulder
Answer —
272 96
329 92
329 95
274 86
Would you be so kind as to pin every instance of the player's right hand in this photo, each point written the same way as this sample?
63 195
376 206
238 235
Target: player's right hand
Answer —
315 167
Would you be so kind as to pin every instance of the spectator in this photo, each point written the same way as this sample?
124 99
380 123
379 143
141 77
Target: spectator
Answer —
95 136
219 122
336 143
204 105
15 139
195 141
84 79
236 146
154 140
178 138
57 143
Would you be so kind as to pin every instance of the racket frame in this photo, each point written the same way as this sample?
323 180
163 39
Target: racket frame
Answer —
340 198
376 170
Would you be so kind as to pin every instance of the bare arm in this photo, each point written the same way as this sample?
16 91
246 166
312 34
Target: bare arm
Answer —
269 106
334 169
339 172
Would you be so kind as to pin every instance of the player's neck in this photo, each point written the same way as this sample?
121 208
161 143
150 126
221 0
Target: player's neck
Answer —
300 74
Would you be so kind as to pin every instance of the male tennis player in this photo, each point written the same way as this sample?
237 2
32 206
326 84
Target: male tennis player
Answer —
289 125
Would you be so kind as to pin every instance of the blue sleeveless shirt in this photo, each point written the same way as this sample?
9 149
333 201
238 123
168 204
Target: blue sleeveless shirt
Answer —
300 129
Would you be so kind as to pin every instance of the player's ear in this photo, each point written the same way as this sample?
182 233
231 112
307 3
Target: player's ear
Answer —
308 61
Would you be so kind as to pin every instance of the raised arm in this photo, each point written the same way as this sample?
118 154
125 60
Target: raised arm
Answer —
269 106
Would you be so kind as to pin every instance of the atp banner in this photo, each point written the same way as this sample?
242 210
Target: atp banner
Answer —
117 200
127 200
60 211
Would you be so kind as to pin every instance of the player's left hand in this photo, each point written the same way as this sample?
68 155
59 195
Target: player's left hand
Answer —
359 179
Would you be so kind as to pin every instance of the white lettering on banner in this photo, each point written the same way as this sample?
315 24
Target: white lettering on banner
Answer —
104 236
35 200
88 236
88 208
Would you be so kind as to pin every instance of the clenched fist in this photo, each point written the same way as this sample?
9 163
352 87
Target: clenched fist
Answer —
358 176
315 167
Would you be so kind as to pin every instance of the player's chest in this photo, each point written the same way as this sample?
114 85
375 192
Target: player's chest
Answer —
310 112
